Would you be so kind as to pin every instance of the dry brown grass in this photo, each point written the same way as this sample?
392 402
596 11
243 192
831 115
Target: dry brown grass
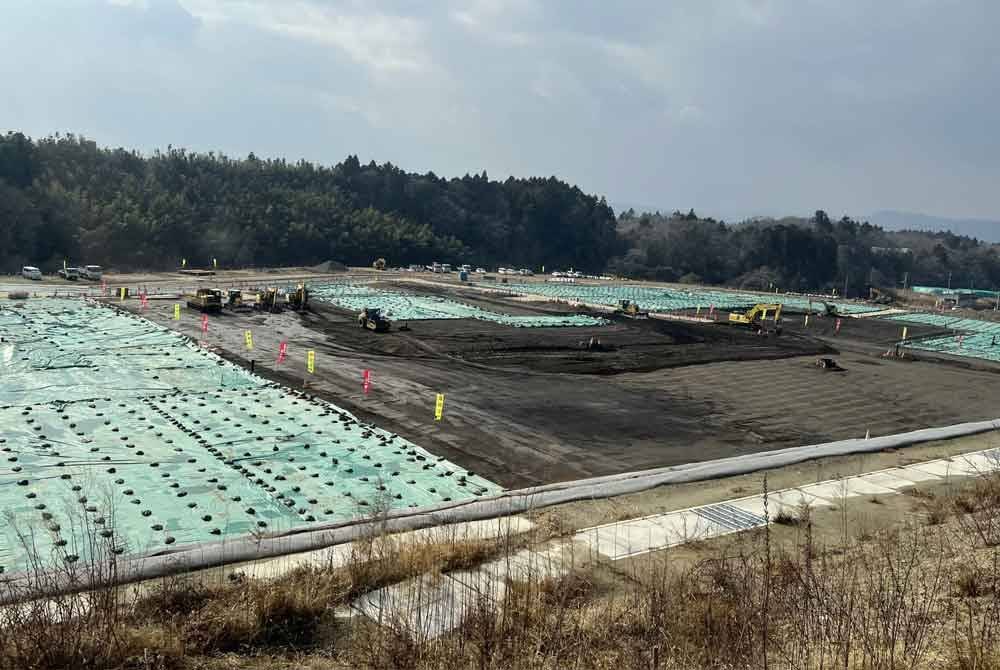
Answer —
185 617
917 596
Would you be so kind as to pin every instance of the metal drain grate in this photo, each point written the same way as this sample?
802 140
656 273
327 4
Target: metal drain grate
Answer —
730 517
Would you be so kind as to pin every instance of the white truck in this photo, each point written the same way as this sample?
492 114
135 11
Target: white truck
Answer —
31 272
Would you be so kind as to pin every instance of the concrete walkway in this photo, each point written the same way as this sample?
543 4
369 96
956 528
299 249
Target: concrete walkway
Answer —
428 606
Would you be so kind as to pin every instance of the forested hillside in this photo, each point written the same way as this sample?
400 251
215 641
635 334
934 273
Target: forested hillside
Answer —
65 197
799 254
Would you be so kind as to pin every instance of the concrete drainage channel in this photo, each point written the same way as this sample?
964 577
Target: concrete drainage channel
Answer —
431 605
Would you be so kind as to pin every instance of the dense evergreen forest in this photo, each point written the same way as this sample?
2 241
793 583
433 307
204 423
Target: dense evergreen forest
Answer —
65 197
799 254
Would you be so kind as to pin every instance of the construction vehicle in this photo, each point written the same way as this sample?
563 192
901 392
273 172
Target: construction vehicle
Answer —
880 297
829 309
267 301
595 344
235 302
828 364
206 300
298 300
757 315
379 264
372 319
631 310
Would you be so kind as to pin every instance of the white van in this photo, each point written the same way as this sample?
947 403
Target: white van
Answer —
92 272
31 272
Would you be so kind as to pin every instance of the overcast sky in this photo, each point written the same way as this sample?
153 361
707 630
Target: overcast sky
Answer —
733 107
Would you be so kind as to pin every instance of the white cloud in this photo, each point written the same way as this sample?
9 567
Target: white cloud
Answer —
384 42
498 20
690 114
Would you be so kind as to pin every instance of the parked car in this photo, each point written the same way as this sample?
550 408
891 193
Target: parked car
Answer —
71 274
92 272
480 271
31 272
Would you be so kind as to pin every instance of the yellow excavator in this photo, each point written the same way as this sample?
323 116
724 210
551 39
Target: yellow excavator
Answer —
267 301
298 299
372 319
757 315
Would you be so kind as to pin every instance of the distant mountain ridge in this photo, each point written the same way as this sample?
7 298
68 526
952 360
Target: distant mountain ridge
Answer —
982 229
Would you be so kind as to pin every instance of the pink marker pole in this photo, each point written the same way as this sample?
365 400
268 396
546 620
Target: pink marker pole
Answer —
282 352
204 323
366 380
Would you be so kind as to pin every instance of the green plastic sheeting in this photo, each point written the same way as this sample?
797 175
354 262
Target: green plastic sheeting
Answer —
973 338
669 300
117 430
941 290
411 307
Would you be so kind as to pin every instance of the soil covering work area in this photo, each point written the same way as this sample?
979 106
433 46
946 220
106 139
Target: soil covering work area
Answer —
412 307
972 338
118 427
662 299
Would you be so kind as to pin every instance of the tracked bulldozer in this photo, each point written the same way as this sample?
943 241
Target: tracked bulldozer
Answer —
631 310
206 300
371 318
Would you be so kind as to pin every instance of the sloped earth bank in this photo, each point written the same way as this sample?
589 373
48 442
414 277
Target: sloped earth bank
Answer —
529 406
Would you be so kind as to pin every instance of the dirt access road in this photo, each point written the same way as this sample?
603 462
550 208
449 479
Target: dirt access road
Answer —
529 406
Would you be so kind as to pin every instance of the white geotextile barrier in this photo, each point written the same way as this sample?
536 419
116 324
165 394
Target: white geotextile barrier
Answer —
193 557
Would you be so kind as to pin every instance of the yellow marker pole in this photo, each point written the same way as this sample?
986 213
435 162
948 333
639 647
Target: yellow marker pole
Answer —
249 338
806 324
121 294
215 263
439 407
311 362
177 312
904 333
698 312
184 262
64 264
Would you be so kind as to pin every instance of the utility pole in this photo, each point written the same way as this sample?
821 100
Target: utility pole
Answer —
845 283
906 279
949 281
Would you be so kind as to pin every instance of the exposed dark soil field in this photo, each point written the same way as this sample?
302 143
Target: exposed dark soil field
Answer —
625 345
526 406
